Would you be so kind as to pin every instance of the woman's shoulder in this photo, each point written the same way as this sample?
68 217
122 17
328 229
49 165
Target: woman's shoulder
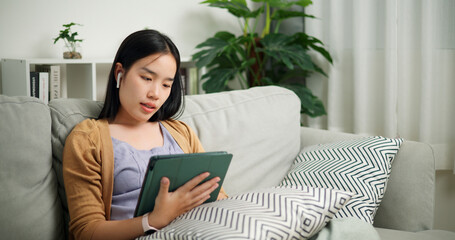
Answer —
90 126
178 126
86 136
184 135
175 122
90 123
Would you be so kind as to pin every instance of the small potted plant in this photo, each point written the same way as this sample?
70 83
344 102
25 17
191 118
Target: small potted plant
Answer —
71 43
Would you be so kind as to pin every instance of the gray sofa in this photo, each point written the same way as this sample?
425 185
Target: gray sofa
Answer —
260 126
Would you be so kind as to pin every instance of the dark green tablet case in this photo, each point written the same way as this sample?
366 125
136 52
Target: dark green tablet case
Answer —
180 168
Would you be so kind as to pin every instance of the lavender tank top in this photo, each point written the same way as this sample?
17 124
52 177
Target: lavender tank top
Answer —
129 170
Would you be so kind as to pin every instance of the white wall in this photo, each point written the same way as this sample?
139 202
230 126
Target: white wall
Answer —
27 27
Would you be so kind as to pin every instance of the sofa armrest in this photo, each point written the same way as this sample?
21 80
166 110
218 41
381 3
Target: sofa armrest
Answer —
408 203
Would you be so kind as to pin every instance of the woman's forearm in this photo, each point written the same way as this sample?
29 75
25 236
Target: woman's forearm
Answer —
119 229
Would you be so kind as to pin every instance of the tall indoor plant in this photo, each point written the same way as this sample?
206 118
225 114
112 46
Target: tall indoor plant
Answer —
262 57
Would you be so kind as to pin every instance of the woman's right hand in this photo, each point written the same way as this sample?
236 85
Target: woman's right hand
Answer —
170 205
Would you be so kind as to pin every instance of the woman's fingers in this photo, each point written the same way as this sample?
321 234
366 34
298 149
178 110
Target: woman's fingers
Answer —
207 187
194 181
201 190
169 205
164 186
203 193
194 194
201 201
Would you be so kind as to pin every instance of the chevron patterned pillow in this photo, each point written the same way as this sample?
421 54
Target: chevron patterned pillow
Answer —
361 166
273 213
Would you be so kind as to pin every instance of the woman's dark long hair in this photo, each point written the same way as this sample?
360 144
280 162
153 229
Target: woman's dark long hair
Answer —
136 46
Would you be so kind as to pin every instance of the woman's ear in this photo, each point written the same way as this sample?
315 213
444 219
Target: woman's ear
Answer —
119 73
119 77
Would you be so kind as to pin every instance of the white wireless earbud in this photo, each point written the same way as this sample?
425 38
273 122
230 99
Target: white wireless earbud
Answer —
119 76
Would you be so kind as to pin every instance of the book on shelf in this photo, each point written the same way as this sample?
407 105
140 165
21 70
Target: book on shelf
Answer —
39 85
54 79
44 87
34 84
190 80
193 80
183 76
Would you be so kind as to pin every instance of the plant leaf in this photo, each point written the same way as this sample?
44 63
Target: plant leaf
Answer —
319 70
279 47
237 8
216 79
266 81
204 57
310 104
304 3
285 3
214 47
285 14
292 75
224 35
311 42
213 42
323 52
65 34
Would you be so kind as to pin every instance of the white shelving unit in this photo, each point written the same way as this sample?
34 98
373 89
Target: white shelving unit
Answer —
80 78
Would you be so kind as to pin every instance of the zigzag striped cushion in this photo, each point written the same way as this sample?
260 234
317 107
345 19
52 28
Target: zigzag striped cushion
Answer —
274 213
361 166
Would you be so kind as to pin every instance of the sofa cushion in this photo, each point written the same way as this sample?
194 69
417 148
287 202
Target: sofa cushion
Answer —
29 204
361 166
66 114
271 213
259 126
390 234
410 187
350 228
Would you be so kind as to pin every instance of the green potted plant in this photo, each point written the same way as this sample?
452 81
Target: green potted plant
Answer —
71 42
262 57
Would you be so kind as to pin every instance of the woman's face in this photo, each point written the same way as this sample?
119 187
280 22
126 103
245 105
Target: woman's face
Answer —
145 87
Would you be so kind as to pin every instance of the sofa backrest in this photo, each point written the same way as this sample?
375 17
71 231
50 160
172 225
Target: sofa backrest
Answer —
29 205
408 202
65 114
259 126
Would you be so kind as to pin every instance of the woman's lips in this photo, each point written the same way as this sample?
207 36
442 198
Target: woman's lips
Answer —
148 107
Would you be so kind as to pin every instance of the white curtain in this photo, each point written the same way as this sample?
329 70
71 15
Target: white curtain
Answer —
393 72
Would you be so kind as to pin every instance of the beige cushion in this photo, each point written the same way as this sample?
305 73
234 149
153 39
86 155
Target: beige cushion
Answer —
259 126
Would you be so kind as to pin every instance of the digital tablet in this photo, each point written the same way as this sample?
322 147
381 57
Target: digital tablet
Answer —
180 168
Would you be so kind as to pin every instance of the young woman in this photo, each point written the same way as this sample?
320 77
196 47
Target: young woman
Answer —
104 160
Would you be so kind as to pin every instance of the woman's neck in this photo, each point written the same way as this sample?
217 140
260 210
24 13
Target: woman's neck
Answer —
143 136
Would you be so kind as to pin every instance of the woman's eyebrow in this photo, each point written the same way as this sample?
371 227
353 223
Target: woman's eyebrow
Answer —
149 71
154 73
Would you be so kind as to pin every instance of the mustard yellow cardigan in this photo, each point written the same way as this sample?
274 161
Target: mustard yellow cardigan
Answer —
88 171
